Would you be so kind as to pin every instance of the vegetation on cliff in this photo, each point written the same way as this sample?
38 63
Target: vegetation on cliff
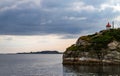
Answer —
100 45
101 39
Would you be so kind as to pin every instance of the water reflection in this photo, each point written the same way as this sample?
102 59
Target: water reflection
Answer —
71 70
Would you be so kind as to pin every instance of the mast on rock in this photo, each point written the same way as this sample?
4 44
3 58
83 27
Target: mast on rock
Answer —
113 24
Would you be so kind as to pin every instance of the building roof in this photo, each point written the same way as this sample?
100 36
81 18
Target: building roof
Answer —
108 25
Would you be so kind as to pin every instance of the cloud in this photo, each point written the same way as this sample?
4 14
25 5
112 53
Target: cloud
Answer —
33 43
117 18
8 8
20 4
74 18
46 22
107 6
6 38
44 17
81 6
35 21
69 37
9 38
114 5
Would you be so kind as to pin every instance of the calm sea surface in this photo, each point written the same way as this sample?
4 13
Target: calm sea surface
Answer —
49 65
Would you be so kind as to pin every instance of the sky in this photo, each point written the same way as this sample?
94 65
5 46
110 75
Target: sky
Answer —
36 25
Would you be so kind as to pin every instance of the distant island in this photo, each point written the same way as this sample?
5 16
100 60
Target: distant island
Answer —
42 52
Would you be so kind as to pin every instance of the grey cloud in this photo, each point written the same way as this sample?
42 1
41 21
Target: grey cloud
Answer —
48 19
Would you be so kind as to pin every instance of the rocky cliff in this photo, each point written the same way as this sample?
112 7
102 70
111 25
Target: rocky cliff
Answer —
99 48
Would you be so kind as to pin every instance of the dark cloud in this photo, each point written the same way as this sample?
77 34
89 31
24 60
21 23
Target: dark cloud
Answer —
48 18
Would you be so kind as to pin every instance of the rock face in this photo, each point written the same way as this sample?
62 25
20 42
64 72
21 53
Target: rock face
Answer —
99 48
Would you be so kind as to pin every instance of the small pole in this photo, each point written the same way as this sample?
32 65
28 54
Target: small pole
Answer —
113 24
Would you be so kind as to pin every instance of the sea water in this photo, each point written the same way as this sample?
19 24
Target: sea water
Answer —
49 65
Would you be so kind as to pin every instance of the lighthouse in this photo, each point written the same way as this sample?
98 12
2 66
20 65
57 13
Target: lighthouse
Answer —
108 26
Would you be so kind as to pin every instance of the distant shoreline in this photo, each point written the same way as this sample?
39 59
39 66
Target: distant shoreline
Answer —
42 52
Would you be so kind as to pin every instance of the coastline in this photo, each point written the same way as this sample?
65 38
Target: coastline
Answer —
89 62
